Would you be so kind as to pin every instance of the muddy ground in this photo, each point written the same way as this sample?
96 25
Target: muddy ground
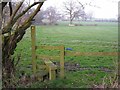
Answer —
77 67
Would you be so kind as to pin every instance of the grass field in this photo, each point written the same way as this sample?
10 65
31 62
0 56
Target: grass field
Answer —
100 38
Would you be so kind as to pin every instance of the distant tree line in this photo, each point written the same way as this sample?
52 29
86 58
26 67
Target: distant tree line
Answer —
106 20
48 16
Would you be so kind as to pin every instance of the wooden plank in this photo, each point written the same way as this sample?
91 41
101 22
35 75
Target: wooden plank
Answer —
51 68
33 49
48 47
62 62
91 54
48 57
50 64
43 67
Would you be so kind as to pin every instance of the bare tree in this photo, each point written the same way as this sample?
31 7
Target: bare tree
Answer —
39 17
89 15
51 14
73 9
12 35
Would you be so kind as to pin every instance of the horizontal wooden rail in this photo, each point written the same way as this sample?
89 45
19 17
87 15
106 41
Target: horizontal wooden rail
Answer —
47 57
91 54
49 47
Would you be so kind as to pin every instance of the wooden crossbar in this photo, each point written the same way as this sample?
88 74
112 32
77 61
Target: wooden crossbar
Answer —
91 54
47 57
49 47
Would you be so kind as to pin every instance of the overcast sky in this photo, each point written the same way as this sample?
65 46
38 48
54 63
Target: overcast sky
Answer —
102 9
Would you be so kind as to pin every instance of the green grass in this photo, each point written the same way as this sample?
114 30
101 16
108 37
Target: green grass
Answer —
100 38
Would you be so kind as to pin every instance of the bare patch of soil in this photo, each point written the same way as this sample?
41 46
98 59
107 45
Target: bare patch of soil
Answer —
76 67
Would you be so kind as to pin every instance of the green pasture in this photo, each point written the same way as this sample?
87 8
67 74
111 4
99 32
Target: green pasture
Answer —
100 38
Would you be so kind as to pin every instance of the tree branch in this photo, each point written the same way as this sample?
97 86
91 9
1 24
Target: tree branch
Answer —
9 25
10 6
33 14
17 8
67 8
21 14
81 4
27 23
3 5
13 21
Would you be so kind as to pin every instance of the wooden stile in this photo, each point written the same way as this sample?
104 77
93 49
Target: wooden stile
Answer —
49 66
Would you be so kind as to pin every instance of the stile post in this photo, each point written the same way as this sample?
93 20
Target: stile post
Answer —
62 61
33 49
52 74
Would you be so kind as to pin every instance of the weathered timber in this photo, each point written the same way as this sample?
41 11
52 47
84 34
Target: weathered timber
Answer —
91 53
33 48
51 67
47 57
49 47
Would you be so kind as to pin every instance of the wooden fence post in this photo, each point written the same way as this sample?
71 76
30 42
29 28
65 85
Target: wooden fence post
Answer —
52 73
33 49
62 61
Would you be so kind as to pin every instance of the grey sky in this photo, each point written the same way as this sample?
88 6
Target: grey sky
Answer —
103 9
